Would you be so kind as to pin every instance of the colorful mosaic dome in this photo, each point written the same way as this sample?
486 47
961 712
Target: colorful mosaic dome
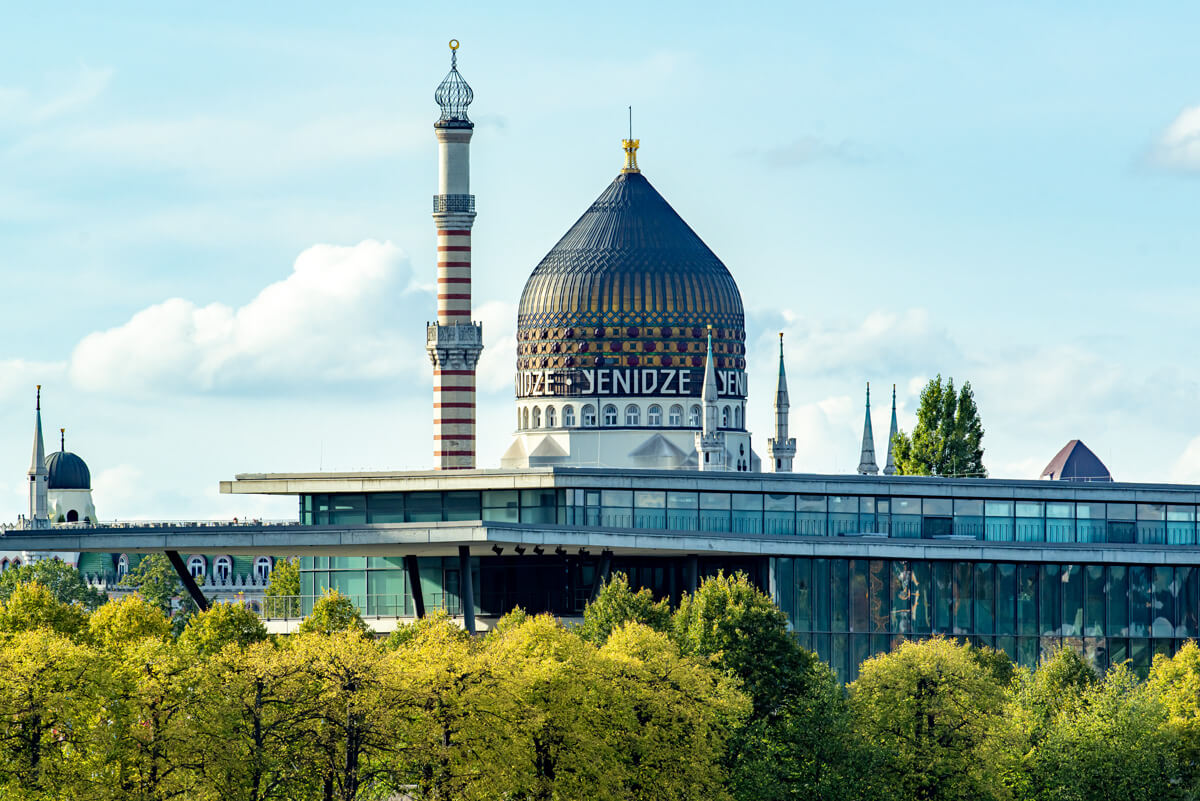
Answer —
629 283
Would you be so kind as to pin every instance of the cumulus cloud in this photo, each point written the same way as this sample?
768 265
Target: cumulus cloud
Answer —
1186 469
1179 145
18 377
343 314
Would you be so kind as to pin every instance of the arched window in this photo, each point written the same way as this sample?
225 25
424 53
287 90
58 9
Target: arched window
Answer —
569 416
589 416
526 417
654 415
633 415
724 417
551 418
262 568
675 416
737 416
518 418
610 415
196 566
223 569
537 417
3 564
72 516
122 566
694 417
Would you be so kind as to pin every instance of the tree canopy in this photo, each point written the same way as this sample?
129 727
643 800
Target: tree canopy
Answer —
948 437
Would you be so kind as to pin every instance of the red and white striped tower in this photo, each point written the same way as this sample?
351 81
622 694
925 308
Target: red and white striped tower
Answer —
454 341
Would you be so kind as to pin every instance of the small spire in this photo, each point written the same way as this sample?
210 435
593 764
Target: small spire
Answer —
866 461
889 469
62 439
631 148
453 95
39 398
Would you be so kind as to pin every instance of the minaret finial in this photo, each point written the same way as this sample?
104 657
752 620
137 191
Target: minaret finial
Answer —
39 398
62 439
631 148
453 95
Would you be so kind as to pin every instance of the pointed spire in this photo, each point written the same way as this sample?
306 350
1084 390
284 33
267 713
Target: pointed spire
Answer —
866 461
890 468
781 448
37 465
39 476
781 392
708 396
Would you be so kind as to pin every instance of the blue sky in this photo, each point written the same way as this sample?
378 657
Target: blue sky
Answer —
217 252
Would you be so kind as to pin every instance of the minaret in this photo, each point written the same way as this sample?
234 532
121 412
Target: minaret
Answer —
454 341
866 462
781 449
890 468
710 442
39 476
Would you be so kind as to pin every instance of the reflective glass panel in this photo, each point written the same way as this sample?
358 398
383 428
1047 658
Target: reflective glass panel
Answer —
1006 598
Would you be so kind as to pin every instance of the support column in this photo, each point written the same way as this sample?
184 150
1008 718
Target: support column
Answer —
692 568
414 584
189 583
466 586
603 573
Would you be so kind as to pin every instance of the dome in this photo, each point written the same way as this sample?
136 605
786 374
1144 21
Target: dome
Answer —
68 472
629 284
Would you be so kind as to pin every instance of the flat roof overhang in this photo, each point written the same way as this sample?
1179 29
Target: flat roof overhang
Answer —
444 539
691 480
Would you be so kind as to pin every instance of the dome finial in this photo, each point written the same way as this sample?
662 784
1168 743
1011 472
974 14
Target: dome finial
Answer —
453 95
39 397
631 148
62 439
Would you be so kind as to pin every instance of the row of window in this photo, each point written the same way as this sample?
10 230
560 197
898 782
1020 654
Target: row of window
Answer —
197 566
1111 607
532 417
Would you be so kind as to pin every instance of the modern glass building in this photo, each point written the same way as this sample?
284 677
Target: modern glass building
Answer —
856 562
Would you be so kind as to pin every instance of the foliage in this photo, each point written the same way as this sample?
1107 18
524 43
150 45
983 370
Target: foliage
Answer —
33 606
928 709
333 612
62 579
283 585
222 624
126 622
155 578
948 437
617 604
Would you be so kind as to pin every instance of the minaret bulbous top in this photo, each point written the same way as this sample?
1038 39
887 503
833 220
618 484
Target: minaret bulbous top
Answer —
453 95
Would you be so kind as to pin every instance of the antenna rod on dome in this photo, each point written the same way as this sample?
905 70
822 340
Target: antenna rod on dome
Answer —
62 439
631 122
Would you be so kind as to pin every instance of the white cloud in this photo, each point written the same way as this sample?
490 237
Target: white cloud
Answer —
1186 469
344 314
18 377
1179 145
498 362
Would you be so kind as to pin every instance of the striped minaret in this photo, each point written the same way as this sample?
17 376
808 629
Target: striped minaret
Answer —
454 341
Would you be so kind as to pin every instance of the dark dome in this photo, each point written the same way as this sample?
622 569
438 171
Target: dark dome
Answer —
68 471
631 261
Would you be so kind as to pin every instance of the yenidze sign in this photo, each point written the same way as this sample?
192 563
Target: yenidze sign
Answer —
627 382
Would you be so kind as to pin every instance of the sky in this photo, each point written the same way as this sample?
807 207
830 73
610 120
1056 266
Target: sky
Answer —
216 252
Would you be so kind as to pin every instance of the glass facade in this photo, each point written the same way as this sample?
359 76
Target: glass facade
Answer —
847 609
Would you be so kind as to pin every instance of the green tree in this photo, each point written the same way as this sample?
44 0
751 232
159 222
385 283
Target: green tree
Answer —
948 437
333 612
617 604
283 589
33 606
1175 682
222 624
155 578
128 621
62 579
928 710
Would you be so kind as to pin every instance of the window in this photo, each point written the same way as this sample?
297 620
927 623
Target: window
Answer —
654 415
537 417
569 416
262 568
675 416
122 566
223 569
737 416
195 566
610 415
551 418
694 417
589 416
518 418
72 516
525 418
633 415
724 417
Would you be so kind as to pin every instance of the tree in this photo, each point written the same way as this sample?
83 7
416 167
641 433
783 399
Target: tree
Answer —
33 606
283 589
617 604
155 578
333 612
222 624
128 621
928 709
948 437
63 581
1175 682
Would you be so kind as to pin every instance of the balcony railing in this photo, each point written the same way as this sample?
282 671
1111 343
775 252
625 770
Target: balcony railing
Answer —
453 204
